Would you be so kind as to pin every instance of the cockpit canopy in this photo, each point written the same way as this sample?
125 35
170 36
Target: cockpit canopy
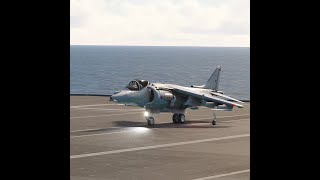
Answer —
137 84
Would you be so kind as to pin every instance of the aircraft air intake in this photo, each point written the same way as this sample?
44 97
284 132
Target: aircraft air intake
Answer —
161 97
168 96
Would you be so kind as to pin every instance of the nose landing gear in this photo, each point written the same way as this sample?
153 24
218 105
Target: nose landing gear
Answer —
150 121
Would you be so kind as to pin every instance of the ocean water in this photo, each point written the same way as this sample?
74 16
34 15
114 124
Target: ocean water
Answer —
106 69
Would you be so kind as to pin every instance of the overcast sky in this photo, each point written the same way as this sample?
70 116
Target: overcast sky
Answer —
160 22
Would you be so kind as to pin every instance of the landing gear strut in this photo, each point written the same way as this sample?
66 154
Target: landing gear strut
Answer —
178 118
150 121
213 118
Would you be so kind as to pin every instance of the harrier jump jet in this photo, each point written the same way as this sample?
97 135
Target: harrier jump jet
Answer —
160 97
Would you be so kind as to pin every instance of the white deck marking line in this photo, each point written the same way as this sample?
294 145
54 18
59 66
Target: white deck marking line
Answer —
79 106
102 133
222 175
104 109
216 119
157 146
131 130
140 112
127 110
234 115
82 130
104 115
134 130
235 120
197 115
223 116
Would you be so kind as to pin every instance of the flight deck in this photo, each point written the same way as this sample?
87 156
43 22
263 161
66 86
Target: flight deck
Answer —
112 141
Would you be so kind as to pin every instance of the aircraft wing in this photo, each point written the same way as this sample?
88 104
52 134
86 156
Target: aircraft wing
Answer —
227 97
205 96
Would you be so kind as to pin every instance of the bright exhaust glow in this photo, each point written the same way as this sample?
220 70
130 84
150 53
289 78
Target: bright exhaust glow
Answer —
146 114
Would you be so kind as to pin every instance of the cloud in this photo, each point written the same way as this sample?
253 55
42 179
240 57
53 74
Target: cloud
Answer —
77 21
228 28
165 22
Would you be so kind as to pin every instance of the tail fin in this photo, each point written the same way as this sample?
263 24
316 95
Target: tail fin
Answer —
213 81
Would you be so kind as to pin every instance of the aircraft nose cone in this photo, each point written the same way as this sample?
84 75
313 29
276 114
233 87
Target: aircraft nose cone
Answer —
115 97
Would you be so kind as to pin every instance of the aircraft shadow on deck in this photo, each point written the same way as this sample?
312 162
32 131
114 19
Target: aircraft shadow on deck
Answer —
187 124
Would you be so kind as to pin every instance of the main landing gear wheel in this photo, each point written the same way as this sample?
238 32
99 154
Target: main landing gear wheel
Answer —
150 121
175 118
213 119
181 118
178 118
